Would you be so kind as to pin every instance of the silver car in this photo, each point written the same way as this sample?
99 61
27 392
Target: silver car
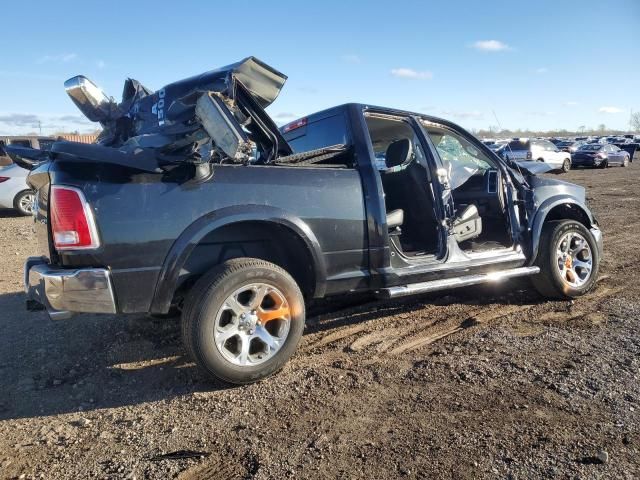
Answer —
14 191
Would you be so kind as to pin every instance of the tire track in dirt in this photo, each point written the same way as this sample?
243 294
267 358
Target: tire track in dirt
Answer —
397 340
479 316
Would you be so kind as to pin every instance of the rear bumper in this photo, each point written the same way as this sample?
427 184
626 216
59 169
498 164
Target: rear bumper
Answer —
587 161
63 292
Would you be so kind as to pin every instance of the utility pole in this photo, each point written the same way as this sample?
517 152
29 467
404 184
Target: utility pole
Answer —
40 127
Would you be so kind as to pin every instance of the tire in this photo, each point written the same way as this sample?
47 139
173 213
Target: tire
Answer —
23 202
566 165
604 164
625 162
212 311
551 282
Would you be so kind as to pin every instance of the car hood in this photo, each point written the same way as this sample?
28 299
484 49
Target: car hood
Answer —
533 167
544 188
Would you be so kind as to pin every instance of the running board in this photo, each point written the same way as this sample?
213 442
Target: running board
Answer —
447 283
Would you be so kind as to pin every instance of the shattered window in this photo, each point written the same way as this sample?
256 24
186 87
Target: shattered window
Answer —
459 156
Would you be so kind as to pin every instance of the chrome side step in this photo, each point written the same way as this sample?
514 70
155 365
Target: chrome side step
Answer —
447 283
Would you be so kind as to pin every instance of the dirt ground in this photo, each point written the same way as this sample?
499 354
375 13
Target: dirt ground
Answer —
522 388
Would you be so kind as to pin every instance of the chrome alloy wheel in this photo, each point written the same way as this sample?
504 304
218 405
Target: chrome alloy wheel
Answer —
575 259
26 203
252 324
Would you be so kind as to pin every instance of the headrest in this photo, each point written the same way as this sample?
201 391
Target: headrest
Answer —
398 153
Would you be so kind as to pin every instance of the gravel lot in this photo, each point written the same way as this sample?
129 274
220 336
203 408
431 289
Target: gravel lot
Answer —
522 388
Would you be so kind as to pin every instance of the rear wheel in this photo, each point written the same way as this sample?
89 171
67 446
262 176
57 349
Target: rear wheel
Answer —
243 320
566 165
24 202
625 162
568 260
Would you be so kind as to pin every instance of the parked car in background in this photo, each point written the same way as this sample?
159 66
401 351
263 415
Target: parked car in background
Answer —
538 150
14 191
597 155
498 148
569 145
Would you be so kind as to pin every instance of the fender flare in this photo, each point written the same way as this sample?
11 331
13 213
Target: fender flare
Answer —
541 215
184 245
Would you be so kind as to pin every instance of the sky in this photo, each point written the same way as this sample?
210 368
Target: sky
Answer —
530 64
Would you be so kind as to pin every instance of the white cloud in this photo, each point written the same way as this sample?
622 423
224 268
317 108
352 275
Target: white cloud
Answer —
351 58
410 73
463 115
20 119
542 70
490 46
609 110
285 116
60 58
541 113
571 104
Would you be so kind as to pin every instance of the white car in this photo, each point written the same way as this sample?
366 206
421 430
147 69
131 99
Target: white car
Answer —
14 191
538 150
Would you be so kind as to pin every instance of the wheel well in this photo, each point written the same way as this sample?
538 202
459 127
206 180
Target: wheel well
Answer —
268 241
568 211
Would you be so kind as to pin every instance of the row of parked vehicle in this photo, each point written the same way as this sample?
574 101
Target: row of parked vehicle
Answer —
565 153
14 191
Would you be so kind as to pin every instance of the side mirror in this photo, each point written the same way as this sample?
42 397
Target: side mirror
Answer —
89 98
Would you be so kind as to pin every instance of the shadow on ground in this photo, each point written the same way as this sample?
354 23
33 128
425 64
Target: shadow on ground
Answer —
92 362
9 213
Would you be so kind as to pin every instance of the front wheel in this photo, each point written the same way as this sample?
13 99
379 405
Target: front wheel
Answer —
243 320
566 165
24 202
625 162
604 164
568 260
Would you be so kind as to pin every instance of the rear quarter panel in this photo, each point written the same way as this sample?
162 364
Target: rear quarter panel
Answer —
139 216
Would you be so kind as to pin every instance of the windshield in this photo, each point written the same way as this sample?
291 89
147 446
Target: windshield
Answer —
519 145
459 156
593 147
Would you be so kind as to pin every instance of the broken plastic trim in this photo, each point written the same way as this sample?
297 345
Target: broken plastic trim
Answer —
313 156
225 131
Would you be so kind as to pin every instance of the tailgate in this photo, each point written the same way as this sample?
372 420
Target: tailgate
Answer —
40 181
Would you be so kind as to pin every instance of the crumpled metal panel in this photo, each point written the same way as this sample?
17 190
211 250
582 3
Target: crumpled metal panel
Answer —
165 120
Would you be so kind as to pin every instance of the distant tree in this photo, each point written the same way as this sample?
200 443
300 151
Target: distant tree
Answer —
634 122
602 127
582 128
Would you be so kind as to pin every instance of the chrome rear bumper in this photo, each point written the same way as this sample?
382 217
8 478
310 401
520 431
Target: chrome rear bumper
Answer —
63 292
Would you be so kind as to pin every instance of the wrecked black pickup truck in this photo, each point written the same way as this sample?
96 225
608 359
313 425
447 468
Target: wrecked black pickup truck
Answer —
194 201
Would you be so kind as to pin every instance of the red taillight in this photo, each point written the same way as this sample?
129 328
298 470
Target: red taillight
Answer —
293 125
4 179
72 222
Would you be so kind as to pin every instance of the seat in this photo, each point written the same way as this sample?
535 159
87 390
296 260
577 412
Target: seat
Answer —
395 219
406 187
398 153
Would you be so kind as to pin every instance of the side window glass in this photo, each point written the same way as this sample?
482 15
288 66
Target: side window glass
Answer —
459 156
